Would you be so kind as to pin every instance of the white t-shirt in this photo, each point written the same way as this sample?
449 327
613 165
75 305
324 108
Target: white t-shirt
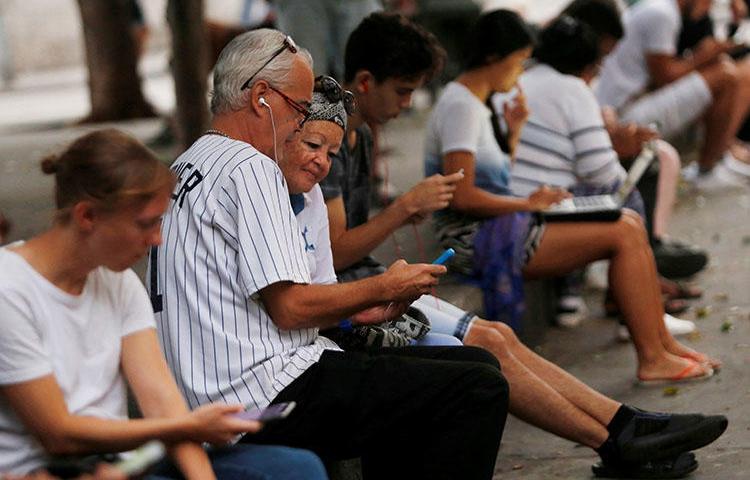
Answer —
564 142
651 27
461 122
229 233
313 224
76 338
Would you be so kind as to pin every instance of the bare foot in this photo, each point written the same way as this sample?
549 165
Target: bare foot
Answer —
741 151
672 367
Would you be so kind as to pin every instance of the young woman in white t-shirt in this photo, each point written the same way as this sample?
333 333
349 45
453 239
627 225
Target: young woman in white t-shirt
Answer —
507 242
77 325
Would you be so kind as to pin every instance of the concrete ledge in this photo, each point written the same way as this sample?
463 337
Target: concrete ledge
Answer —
541 302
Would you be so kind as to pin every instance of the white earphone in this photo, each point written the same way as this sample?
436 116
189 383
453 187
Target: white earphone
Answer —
262 101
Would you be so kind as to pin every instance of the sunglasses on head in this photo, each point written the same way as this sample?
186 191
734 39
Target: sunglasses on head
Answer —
288 45
335 93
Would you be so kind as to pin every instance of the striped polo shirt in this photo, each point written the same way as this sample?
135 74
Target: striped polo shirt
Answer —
564 142
228 233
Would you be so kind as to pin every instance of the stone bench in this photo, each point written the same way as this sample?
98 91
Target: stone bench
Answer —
540 304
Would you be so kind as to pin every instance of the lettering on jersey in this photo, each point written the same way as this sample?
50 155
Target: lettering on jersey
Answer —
308 246
189 184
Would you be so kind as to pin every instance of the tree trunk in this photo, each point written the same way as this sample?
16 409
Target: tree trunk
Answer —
114 83
189 68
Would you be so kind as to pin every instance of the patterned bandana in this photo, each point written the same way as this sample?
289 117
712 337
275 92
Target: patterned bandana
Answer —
323 109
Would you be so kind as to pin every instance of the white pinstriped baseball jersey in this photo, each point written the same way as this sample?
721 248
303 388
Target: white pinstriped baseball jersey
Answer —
228 233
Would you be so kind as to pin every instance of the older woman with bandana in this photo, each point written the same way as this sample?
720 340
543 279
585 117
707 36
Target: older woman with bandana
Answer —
306 163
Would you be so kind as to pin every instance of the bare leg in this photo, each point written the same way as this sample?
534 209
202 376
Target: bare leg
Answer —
533 400
599 406
633 278
727 112
669 173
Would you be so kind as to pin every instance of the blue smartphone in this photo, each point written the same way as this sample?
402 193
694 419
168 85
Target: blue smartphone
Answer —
277 411
444 257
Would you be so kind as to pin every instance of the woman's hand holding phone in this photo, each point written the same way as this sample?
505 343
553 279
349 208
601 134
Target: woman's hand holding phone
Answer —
217 423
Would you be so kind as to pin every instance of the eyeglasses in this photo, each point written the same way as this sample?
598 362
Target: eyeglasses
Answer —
334 93
301 109
288 45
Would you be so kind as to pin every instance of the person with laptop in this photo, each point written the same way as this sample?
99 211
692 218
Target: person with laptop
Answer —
675 259
566 142
501 238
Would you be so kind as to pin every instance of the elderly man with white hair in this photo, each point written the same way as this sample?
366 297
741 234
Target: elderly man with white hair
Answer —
239 316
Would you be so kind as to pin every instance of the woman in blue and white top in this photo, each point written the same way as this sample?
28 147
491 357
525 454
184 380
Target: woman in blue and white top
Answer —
498 234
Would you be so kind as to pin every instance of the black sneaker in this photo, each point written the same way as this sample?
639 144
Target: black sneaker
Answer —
678 260
647 438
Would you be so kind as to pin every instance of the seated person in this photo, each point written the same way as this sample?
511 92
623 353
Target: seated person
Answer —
498 237
239 317
537 387
693 31
658 187
565 143
77 324
646 81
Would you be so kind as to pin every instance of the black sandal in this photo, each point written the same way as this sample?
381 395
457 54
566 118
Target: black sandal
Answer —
672 306
681 290
678 467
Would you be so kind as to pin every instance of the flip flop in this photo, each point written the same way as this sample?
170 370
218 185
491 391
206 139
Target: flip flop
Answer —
677 467
686 375
704 359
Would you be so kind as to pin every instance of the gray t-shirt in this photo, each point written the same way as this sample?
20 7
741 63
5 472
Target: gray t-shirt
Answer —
349 178
651 27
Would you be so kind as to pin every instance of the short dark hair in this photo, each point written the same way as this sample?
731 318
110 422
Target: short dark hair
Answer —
603 16
496 35
391 46
568 45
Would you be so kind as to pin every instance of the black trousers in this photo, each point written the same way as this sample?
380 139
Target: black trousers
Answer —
416 412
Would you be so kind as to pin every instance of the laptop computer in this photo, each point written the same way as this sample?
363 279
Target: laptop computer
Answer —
602 208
